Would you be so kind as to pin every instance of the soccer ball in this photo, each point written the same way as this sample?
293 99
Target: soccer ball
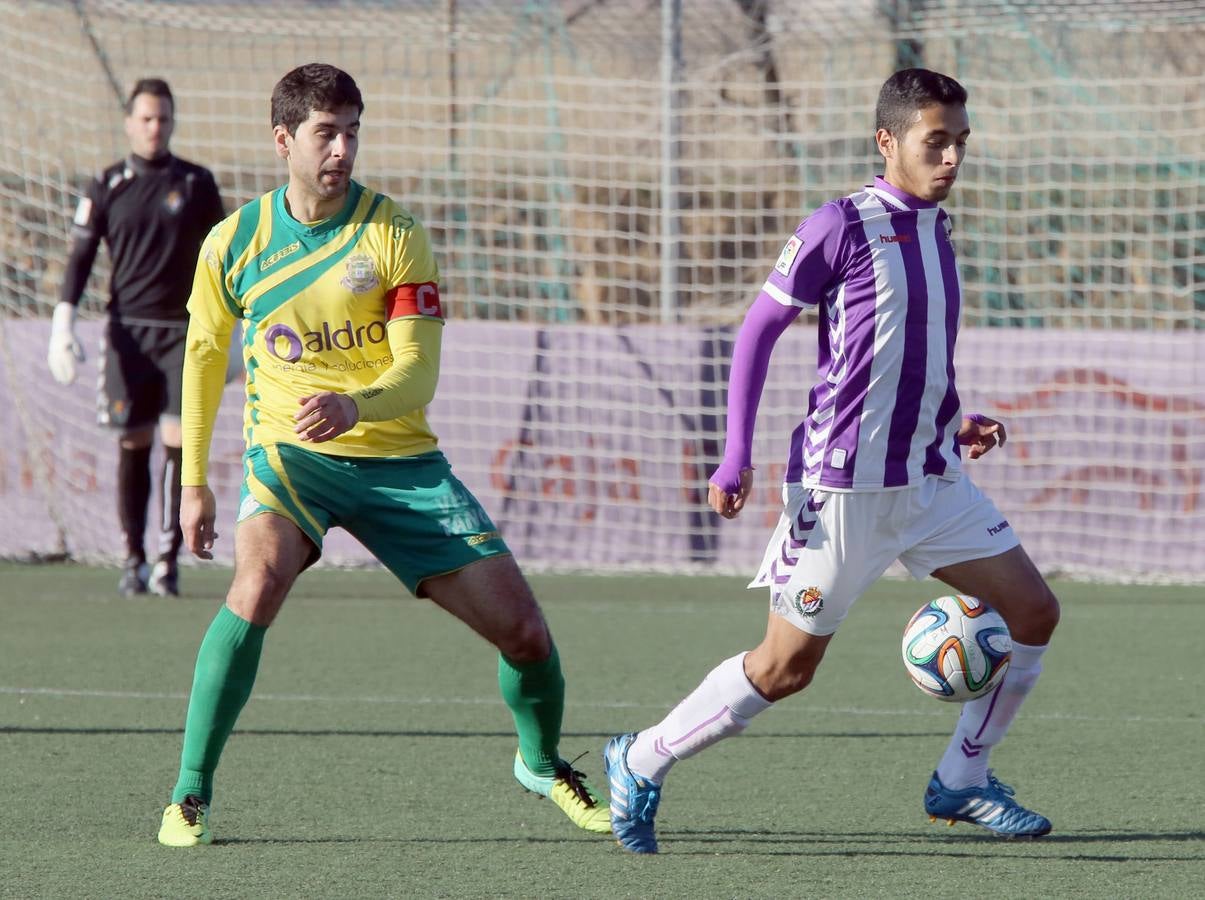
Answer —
956 648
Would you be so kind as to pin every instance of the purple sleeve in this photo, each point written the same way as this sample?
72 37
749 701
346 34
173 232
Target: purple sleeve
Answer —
764 323
812 258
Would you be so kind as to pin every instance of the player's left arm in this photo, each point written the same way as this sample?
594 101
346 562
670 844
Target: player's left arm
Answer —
980 433
414 318
408 384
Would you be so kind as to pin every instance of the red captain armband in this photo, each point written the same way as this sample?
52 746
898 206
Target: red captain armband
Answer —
413 300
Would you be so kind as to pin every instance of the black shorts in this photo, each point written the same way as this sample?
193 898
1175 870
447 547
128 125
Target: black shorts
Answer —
142 371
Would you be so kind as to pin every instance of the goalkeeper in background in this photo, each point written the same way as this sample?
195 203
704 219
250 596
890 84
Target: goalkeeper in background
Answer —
337 291
153 210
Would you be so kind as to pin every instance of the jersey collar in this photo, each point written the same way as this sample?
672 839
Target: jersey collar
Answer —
903 198
141 165
325 226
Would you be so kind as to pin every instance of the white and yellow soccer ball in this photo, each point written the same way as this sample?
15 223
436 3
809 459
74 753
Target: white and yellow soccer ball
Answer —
956 648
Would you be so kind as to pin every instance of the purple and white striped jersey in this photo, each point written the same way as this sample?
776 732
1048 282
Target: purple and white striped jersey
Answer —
884 411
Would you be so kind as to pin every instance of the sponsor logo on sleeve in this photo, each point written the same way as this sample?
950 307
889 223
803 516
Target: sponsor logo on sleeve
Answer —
83 212
790 252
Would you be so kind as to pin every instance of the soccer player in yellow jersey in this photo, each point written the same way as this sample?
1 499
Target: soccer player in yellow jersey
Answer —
338 293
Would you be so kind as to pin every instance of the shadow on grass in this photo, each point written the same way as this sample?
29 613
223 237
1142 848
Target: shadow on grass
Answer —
354 732
971 844
818 844
584 838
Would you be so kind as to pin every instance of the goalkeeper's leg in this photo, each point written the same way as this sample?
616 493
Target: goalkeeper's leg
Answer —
133 496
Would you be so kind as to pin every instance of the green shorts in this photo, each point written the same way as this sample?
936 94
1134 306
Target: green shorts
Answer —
411 513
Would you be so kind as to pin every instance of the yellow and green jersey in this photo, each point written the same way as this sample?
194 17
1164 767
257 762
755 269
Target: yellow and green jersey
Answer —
319 304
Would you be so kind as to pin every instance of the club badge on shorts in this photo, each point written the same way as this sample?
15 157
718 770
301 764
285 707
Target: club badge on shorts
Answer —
808 601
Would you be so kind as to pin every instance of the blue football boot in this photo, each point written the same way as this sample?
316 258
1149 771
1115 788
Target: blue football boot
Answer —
634 800
989 806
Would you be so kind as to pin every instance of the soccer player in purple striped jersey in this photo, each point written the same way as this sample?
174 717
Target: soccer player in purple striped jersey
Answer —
874 472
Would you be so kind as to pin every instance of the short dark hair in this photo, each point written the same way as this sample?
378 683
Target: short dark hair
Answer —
314 86
156 87
910 90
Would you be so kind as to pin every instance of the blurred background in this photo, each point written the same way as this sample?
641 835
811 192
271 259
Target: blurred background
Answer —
607 183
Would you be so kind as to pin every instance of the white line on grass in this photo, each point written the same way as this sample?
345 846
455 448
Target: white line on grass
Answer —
578 704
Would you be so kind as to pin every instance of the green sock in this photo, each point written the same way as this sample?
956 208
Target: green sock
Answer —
535 693
226 666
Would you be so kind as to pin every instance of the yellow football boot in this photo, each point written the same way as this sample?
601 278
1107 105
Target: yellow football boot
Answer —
569 790
186 824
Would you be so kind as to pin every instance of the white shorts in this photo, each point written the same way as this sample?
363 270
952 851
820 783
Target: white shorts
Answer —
829 547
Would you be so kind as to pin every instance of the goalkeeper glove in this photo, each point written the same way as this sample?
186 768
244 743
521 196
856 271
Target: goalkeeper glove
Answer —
65 349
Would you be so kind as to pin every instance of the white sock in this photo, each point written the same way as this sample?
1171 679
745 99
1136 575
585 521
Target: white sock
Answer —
718 708
984 722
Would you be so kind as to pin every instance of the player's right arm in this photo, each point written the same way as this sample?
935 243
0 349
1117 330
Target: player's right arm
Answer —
730 484
213 314
87 228
809 263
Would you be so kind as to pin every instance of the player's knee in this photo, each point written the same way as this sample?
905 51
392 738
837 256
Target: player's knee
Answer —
526 640
257 595
776 678
1041 618
137 439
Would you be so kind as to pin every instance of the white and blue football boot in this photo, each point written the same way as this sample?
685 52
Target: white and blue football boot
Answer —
989 806
634 800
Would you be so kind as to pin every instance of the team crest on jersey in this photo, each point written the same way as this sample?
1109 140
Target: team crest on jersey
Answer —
361 276
786 259
174 201
808 601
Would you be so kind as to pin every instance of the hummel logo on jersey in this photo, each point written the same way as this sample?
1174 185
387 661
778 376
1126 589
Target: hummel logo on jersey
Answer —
996 529
895 238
